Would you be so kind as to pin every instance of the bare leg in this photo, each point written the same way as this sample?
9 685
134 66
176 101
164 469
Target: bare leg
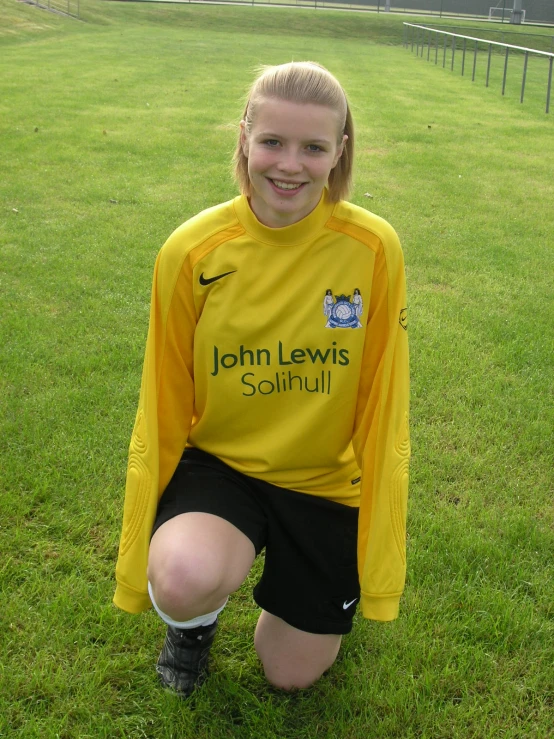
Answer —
196 560
293 658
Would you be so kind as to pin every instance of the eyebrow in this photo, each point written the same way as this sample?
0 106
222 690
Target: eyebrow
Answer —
271 135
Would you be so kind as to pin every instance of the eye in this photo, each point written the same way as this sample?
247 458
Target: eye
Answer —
314 148
271 142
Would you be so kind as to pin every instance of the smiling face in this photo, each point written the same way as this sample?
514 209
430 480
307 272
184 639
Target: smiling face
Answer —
291 149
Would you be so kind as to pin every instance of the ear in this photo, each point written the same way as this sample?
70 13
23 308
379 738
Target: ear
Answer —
340 149
244 138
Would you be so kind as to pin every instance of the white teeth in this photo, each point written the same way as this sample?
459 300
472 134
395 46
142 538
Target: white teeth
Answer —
286 185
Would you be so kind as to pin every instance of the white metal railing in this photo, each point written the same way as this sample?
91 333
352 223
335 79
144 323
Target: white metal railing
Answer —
421 36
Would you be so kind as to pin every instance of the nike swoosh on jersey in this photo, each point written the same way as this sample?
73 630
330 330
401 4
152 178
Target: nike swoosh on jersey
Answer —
208 280
346 605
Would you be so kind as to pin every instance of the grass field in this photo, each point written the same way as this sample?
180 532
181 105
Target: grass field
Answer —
114 130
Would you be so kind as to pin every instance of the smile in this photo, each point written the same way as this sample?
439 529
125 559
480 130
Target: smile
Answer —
286 185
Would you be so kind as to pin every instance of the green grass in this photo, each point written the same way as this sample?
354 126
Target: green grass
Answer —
114 130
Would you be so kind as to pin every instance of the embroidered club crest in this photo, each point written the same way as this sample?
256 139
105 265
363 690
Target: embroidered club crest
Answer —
342 311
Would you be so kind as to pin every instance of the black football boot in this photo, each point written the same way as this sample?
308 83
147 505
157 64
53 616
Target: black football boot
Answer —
183 661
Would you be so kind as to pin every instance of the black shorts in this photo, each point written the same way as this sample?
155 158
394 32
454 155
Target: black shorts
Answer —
310 576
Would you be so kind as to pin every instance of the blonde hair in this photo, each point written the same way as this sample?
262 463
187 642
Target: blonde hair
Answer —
301 82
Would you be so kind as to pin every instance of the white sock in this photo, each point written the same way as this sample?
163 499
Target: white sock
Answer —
207 620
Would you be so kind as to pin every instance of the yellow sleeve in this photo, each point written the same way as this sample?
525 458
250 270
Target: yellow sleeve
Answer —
163 419
381 438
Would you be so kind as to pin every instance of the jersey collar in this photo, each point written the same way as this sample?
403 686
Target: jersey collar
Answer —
298 233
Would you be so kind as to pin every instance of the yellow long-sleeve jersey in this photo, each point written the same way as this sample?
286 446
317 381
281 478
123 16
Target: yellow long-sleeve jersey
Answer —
284 352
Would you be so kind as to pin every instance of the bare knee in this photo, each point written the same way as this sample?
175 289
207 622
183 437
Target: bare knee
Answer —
195 561
293 659
295 675
185 587
291 680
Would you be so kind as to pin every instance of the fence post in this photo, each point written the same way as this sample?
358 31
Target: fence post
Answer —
444 53
474 61
524 76
549 84
489 65
505 69
464 57
453 52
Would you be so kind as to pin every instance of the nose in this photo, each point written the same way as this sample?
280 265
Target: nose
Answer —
290 162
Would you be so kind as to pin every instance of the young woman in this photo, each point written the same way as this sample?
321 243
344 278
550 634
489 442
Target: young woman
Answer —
263 424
